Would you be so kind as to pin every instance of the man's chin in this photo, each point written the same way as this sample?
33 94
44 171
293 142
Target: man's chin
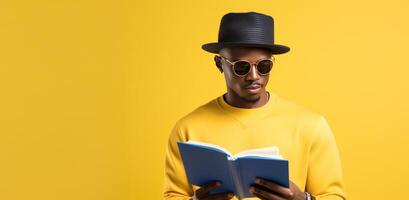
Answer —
251 98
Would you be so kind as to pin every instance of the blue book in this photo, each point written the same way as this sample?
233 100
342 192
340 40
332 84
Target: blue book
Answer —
205 163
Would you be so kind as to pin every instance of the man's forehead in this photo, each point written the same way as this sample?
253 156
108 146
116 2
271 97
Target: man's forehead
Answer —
239 51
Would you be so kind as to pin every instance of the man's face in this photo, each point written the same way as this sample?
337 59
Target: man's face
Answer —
251 86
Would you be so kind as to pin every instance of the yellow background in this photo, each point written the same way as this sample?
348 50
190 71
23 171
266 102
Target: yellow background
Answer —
91 89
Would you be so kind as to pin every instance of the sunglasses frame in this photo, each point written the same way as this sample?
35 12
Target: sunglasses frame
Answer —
272 59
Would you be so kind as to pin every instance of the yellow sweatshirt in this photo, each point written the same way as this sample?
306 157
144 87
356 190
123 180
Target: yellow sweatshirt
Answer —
303 137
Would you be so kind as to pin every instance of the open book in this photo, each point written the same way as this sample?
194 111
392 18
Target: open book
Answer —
205 163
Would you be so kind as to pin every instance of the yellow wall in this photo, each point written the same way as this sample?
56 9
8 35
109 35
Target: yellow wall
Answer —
91 89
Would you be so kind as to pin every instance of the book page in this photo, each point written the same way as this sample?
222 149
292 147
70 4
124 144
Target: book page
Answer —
269 152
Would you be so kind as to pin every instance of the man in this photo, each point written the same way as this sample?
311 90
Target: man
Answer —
249 117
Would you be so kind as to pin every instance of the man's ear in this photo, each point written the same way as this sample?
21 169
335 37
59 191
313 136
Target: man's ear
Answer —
218 62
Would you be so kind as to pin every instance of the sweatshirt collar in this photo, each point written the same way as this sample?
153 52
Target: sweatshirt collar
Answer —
248 115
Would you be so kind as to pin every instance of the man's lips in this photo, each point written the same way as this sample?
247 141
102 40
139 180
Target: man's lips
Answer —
253 86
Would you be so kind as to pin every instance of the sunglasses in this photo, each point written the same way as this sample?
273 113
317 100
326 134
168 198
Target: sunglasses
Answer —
242 67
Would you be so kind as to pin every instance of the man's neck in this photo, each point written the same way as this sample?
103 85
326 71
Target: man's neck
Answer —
234 100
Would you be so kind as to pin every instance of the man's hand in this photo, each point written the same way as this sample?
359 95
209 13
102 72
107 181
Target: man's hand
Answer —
267 190
203 193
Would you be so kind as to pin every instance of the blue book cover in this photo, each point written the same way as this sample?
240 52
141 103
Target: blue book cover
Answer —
205 163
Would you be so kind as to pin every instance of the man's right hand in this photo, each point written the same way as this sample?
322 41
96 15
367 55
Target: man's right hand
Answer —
203 193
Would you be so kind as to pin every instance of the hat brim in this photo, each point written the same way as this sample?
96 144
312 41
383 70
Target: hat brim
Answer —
216 46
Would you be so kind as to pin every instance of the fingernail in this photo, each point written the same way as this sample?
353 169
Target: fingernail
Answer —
251 189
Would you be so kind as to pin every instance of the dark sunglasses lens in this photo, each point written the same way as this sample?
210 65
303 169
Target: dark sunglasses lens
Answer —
242 67
264 66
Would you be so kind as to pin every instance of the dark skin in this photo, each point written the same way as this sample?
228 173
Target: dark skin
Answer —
237 95
203 193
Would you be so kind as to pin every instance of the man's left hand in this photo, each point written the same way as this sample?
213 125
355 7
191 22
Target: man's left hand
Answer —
267 190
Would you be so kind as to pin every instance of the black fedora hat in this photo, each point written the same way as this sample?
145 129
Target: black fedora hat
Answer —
246 29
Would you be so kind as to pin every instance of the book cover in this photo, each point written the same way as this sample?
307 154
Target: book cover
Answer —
205 163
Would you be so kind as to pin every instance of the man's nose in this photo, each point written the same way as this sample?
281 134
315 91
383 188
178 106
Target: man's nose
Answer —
253 74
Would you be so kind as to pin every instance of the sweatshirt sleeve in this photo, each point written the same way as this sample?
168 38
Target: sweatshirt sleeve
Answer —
324 178
176 185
